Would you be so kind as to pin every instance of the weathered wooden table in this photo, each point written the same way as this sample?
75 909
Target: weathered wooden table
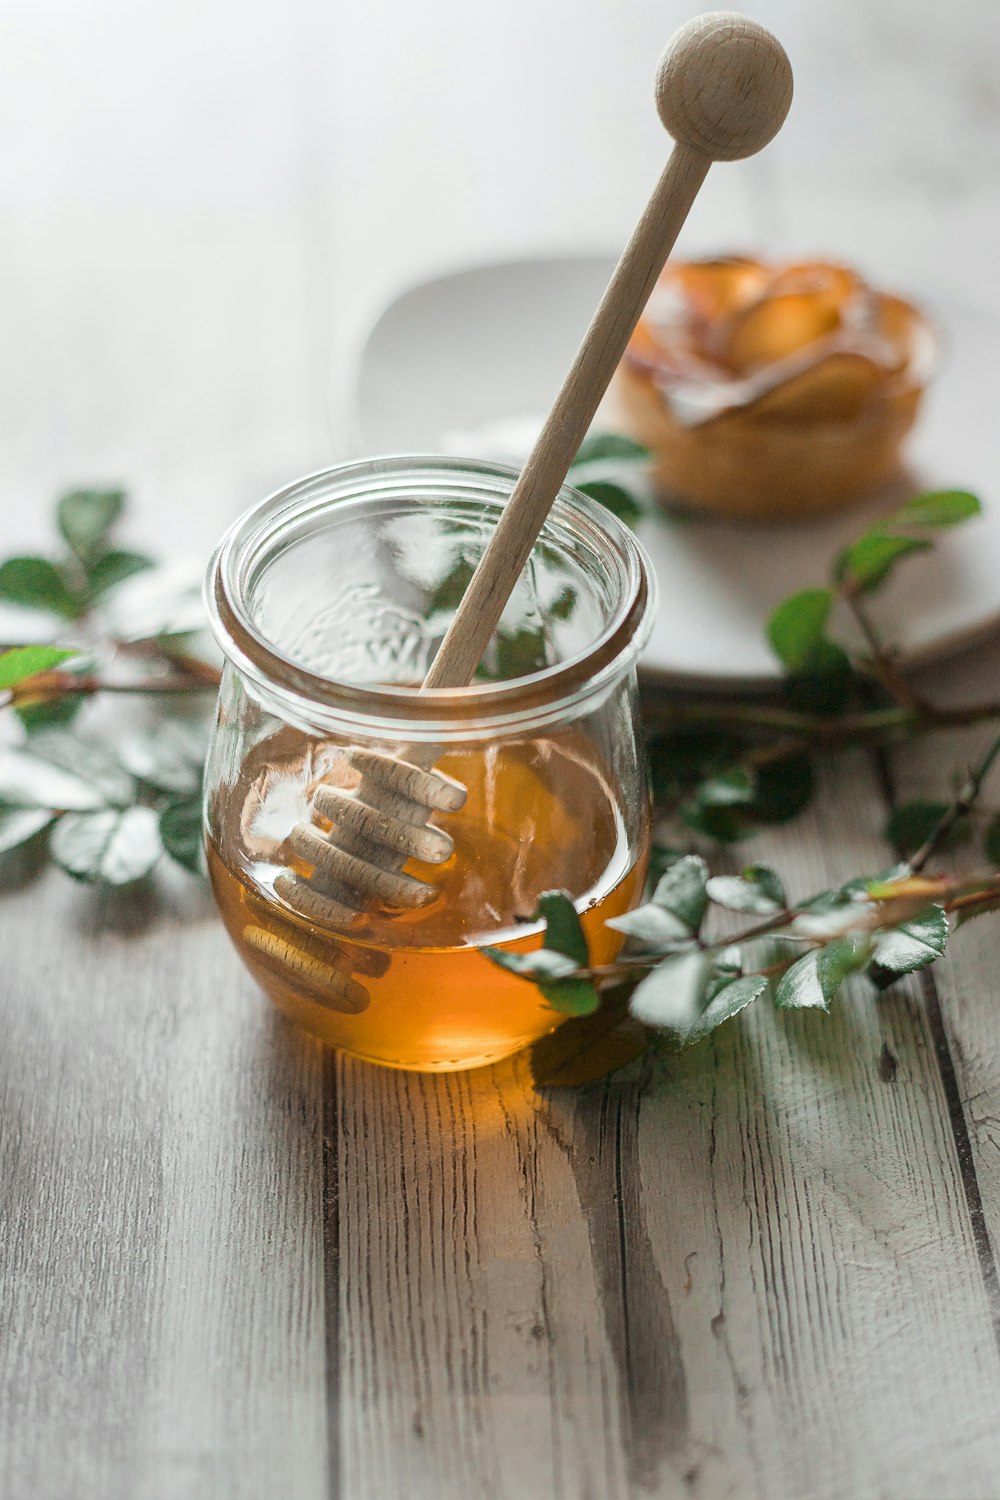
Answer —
231 1266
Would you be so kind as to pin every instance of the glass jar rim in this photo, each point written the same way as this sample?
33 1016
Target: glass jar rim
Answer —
337 704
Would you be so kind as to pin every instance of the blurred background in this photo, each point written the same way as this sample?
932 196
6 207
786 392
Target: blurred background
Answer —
206 202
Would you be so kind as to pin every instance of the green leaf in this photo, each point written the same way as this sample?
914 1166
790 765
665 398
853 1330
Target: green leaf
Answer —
991 841
549 971
160 601
654 926
19 824
50 713
872 558
587 1048
539 963
735 787
939 508
910 946
797 628
169 757
910 824
30 780
784 789
23 662
799 987
565 937
181 833
684 758
726 825
108 848
758 890
614 497
563 930
844 956
726 1003
86 516
114 567
36 583
671 996
89 760
813 980
609 445
681 891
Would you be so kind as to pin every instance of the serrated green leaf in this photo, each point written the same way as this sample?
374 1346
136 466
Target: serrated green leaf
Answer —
872 558
813 980
730 999
22 662
671 996
844 956
681 891
169 757
108 848
182 835
614 497
112 568
652 925
799 987
609 445
86 516
757 890
991 841
89 760
909 825
29 780
19 824
913 944
797 628
36 583
939 508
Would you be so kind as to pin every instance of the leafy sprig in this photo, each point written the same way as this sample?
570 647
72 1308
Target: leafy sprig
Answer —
108 806
722 770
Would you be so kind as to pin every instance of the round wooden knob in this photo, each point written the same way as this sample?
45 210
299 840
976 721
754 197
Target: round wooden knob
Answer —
723 86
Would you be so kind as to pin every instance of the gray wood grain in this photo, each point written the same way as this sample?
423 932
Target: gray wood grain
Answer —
751 1272
230 1267
161 1225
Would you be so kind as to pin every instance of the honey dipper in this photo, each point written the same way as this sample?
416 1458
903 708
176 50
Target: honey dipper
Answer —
723 89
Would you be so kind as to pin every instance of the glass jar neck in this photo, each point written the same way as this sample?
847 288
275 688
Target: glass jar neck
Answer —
393 711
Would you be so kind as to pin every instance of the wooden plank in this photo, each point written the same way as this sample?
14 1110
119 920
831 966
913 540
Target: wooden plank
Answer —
723 1280
963 995
161 1244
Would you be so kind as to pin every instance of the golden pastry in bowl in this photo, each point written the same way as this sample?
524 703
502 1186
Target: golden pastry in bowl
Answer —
772 390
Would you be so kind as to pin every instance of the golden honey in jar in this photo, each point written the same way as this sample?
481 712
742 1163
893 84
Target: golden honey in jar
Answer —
330 601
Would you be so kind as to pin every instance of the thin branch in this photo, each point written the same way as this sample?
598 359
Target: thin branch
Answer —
959 808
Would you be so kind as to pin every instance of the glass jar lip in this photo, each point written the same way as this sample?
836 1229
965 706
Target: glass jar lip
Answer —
539 697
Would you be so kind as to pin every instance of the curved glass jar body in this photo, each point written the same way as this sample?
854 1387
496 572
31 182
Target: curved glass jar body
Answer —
329 601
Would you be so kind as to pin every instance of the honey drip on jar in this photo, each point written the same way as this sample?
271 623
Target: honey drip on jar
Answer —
411 989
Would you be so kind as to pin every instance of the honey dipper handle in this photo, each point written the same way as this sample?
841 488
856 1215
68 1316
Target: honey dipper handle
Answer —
724 86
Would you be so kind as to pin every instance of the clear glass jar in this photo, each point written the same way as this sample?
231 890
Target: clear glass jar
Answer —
329 601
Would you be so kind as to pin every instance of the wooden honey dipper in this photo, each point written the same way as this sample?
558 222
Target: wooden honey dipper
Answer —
723 89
